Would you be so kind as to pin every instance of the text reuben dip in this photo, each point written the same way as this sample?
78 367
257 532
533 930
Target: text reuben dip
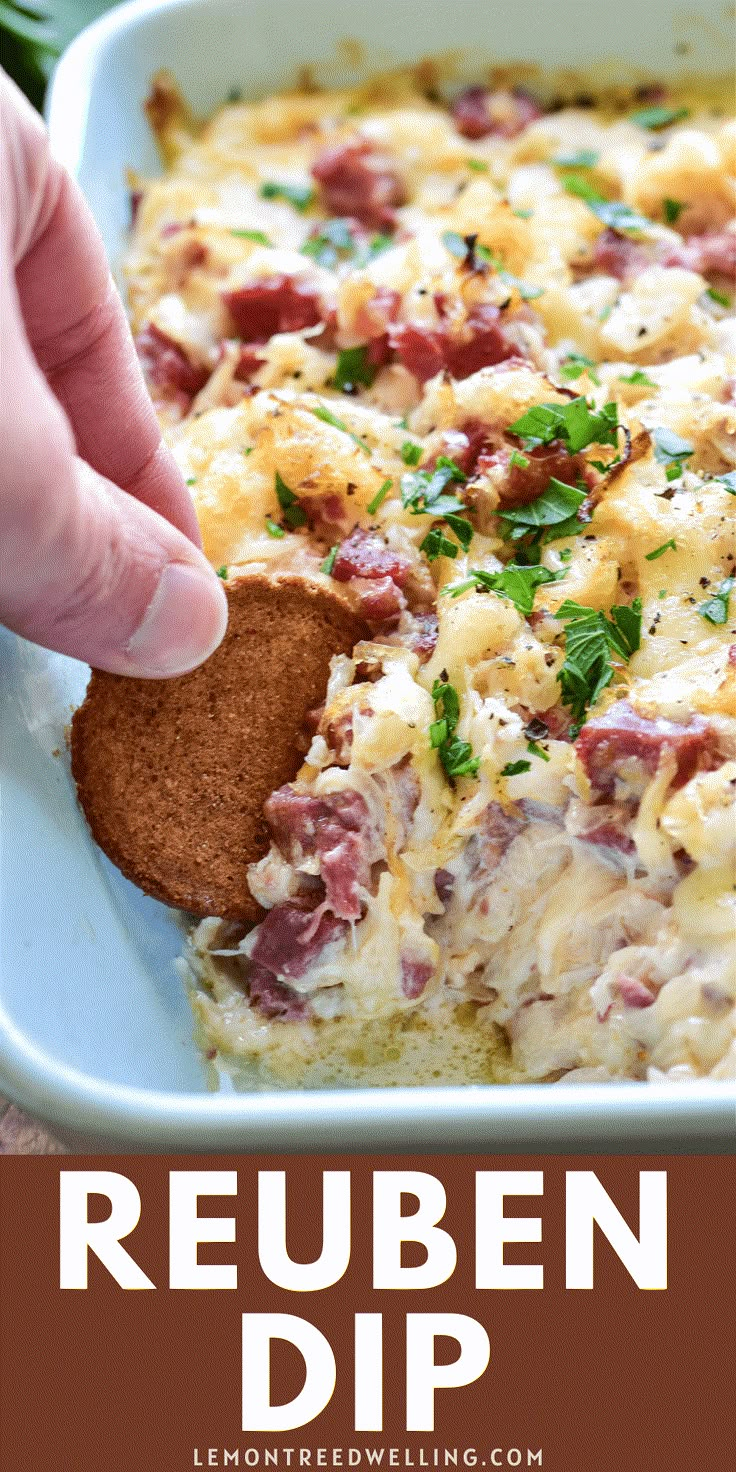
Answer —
474 361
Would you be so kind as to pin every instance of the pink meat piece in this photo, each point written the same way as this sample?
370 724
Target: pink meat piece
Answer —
444 883
365 555
496 832
325 514
291 937
478 113
248 363
381 602
167 367
337 829
358 179
273 304
414 976
607 835
374 317
525 483
608 742
616 255
422 637
424 351
634 993
463 445
713 253
273 998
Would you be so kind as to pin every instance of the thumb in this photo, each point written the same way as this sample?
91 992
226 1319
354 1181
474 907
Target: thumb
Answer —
86 569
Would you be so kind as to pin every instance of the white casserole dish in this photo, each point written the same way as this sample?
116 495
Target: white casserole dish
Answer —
95 1028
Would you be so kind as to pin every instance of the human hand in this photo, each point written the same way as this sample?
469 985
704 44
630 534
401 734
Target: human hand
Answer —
99 546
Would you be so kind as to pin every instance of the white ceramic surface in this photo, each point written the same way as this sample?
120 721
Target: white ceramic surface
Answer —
95 1031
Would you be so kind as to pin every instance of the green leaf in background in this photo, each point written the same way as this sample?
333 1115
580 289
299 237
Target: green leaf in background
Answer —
32 36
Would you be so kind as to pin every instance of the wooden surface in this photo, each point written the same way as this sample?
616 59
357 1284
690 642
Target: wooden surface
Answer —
20 1135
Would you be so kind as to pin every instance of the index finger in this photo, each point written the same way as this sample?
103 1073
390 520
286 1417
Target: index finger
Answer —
79 335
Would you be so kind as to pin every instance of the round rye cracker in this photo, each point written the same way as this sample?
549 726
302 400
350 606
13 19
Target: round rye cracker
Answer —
173 774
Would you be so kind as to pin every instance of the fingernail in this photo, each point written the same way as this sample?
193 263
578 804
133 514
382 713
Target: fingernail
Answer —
184 622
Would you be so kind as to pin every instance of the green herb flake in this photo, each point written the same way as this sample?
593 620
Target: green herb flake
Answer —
518 460
576 423
222 572
514 769
527 292
411 453
670 450
379 498
556 507
298 195
294 514
535 749
658 117
517 582
478 165
353 368
715 609
591 638
718 296
257 237
576 364
638 378
436 544
672 209
523 214
611 212
191 480
273 528
332 242
456 756
584 158
662 593
327 417
728 482
670 546
455 244
329 562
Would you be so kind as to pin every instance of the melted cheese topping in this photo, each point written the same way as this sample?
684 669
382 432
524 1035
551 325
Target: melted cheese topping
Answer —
580 930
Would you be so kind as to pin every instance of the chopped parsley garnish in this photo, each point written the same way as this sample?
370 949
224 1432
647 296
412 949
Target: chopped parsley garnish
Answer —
523 214
327 417
584 158
612 212
672 209
590 640
477 164
670 450
329 561
256 236
715 610
411 453
222 572
515 581
526 291
518 460
557 508
637 377
424 493
273 528
191 480
436 544
456 756
334 236
299 195
379 498
718 296
294 514
513 769
576 364
670 546
455 243
728 481
576 423
353 368
535 749
658 117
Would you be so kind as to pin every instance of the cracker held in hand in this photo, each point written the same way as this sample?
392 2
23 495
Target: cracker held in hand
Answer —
173 774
